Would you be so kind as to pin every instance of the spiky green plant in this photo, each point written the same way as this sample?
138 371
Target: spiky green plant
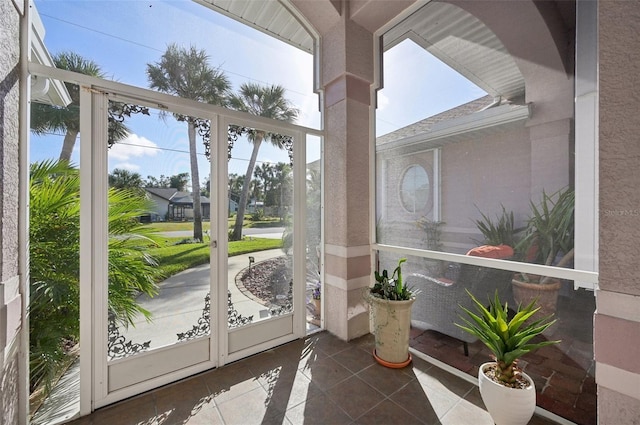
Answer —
550 231
391 288
508 340
498 232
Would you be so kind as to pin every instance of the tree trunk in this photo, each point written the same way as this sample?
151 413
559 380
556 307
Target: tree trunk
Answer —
237 228
68 144
195 183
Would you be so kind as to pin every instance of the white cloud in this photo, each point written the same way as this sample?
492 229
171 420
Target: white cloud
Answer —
131 147
127 166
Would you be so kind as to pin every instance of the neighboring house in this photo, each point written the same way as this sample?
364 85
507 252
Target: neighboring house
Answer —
254 206
174 205
234 199
430 169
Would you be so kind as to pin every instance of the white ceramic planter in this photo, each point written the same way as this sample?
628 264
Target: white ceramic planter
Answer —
391 322
507 406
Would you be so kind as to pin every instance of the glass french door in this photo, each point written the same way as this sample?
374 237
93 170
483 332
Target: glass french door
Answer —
264 307
168 288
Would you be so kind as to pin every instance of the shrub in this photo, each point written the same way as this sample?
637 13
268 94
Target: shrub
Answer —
54 235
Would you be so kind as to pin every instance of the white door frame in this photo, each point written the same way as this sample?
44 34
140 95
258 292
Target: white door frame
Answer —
94 233
118 379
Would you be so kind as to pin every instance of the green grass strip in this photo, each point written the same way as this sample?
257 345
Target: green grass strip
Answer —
173 259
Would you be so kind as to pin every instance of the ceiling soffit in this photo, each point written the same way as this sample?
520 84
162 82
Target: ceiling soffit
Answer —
464 43
270 16
449 33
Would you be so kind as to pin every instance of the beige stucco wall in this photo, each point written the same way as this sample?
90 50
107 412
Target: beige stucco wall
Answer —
617 321
484 172
10 300
480 173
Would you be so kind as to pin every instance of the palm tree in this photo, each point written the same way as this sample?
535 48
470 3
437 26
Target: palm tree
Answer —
265 173
282 183
264 101
121 178
186 73
49 118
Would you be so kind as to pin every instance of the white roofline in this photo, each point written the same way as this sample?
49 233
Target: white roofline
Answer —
492 117
52 91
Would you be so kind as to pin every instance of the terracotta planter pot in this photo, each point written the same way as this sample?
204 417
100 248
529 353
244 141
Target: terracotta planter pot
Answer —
546 294
391 323
507 406
317 306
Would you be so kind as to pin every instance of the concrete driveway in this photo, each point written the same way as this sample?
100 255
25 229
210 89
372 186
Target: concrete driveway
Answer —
180 301
267 232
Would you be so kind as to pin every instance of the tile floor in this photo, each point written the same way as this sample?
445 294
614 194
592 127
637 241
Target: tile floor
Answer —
564 374
317 380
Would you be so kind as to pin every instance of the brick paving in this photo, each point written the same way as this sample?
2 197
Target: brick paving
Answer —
564 374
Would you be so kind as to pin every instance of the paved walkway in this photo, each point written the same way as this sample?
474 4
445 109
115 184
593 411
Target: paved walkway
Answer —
180 302
176 308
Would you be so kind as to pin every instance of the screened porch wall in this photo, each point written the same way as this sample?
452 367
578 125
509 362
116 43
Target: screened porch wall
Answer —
485 173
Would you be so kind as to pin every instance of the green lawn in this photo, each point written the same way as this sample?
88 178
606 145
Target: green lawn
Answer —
173 226
173 258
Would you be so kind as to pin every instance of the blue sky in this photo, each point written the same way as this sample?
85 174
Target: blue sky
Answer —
122 36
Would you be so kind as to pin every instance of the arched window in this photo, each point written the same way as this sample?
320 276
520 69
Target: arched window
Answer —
415 189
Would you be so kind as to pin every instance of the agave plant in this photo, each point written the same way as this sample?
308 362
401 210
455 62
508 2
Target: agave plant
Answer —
391 288
498 232
550 231
507 339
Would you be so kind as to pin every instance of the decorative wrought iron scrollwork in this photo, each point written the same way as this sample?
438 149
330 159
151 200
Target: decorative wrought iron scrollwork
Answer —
117 345
286 142
287 307
281 140
203 127
118 111
233 133
235 319
203 327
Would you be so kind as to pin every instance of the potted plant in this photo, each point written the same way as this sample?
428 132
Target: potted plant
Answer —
499 232
508 393
548 240
315 296
390 301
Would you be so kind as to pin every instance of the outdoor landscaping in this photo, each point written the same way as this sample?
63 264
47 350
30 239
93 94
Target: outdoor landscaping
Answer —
177 254
140 257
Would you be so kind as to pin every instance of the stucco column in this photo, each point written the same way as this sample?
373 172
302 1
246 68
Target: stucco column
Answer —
12 361
551 157
346 77
617 318
551 95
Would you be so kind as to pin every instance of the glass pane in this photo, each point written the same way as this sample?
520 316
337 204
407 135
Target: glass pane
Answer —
102 31
494 187
261 225
466 177
54 232
564 370
313 248
159 211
